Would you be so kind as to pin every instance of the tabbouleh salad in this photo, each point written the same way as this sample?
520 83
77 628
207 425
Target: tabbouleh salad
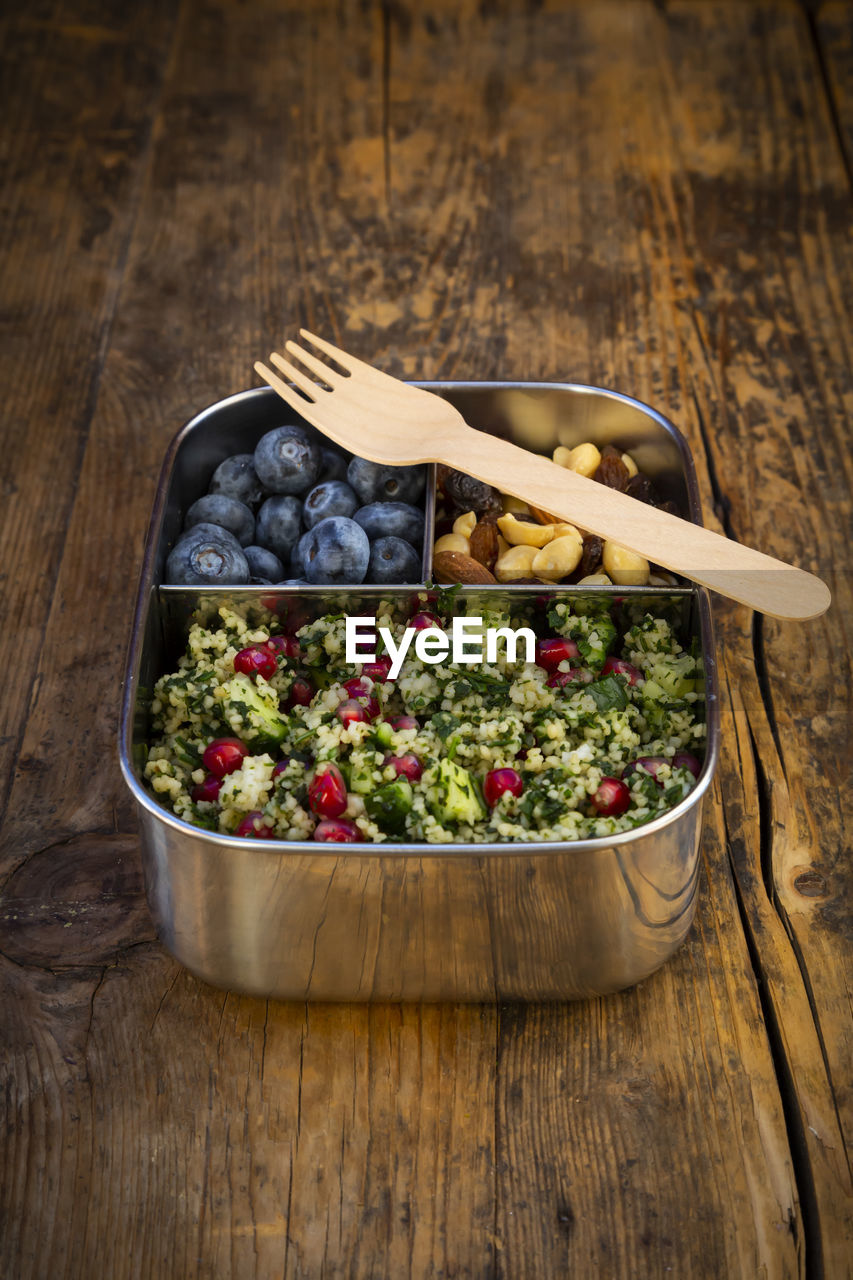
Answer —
266 734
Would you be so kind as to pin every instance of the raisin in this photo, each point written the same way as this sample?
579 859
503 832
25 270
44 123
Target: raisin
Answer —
612 471
591 555
483 543
472 495
641 488
443 524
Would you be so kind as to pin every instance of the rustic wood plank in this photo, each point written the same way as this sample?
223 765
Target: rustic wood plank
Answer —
833 28
70 161
769 358
179 1133
479 214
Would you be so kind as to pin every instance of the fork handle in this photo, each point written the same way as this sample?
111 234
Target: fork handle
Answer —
765 584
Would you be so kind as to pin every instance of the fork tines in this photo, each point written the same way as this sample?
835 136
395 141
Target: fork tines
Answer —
329 377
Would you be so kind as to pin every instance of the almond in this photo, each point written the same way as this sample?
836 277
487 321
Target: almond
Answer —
542 516
484 543
453 566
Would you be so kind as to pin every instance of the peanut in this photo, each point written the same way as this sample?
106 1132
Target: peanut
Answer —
559 558
516 563
583 459
564 530
523 533
625 568
464 525
452 542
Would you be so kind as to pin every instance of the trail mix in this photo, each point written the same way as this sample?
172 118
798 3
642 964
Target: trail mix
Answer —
514 542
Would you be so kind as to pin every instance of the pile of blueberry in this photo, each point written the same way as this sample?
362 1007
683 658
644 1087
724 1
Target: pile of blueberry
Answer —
299 511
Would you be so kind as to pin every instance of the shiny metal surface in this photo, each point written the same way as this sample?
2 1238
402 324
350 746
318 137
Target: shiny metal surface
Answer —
413 922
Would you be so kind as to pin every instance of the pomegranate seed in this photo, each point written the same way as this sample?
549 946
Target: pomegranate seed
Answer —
407 766
294 614
619 667
301 693
208 790
224 755
353 712
338 830
280 766
424 620
687 760
356 688
288 645
651 764
327 794
550 653
248 828
377 671
498 781
256 661
611 798
418 601
561 678
404 722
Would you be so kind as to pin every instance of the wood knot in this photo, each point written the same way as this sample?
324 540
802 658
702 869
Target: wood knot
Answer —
810 884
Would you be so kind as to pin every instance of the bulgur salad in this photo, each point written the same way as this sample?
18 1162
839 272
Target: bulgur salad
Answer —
268 734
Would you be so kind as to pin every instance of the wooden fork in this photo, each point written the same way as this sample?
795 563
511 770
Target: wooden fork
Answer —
380 418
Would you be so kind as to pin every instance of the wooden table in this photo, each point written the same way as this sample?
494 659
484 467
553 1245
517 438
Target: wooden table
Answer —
654 197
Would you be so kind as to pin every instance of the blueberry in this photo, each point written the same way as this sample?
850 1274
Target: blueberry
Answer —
297 556
336 551
278 525
207 556
393 560
334 463
333 498
374 482
236 477
228 513
287 460
263 564
205 528
392 520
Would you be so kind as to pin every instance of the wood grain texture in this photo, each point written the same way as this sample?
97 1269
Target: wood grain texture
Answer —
648 196
833 34
70 160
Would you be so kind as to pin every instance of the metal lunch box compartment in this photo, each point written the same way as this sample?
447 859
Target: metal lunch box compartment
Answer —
405 921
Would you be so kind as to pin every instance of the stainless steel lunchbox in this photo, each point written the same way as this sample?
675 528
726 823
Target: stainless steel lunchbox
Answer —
403 921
